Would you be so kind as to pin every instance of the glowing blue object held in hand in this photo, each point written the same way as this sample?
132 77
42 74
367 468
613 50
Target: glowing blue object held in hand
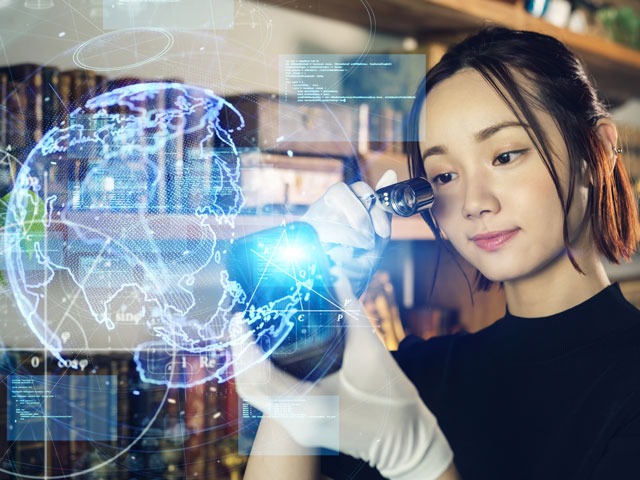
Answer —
289 262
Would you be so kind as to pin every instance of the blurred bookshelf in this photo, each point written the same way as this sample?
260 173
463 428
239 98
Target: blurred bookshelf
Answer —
279 179
153 432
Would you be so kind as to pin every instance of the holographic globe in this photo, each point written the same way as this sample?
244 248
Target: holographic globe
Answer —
118 227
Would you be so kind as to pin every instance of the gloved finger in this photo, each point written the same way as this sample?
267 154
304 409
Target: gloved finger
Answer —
360 328
258 381
380 217
367 365
340 217
365 362
361 189
357 264
343 199
353 262
388 178
380 220
256 377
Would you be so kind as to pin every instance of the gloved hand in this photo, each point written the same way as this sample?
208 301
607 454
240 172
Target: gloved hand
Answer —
382 418
351 236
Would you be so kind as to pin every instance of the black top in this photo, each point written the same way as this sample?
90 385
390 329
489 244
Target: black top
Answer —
533 398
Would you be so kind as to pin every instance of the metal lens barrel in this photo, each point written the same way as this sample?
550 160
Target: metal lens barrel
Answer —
407 198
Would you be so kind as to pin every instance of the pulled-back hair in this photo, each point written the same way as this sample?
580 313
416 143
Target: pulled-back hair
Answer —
556 83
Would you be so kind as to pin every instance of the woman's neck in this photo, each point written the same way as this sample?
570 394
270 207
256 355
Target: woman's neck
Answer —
558 286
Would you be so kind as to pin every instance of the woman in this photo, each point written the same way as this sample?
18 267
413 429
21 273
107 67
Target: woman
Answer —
530 190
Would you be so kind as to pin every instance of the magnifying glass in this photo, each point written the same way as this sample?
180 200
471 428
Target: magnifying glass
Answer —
406 198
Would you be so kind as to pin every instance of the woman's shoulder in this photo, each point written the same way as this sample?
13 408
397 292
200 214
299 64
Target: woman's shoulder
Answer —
425 362
413 348
613 319
436 349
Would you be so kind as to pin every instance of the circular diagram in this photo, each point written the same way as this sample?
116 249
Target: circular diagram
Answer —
123 49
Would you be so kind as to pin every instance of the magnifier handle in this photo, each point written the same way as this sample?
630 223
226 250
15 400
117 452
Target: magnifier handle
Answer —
370 200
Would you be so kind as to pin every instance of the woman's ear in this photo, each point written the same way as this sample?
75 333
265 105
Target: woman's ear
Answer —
608 134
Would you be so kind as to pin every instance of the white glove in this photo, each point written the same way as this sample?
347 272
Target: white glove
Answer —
381 417
351 236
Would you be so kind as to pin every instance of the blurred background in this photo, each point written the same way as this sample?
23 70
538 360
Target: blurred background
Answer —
324 88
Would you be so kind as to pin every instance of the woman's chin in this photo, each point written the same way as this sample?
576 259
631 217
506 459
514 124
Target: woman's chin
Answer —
507 273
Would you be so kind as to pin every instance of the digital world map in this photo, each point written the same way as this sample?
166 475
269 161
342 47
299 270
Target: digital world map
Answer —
103 238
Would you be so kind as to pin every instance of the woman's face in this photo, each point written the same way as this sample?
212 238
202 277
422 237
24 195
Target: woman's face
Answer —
495 200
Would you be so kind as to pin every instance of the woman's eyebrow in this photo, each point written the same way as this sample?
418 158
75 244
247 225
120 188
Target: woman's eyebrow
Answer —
437 150
481 136
484 134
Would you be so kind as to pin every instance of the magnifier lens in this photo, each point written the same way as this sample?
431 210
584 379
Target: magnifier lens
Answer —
409 198
404 200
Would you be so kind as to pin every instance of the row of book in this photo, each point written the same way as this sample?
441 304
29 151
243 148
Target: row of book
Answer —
36 98
174 178
175 172
194 434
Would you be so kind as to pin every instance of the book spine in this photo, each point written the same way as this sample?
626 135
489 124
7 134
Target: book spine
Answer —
161 158
4 83
16 124
51 107
75 452
214 419
174 157
35 116
102 84
64 98
124 419
155 160
82 84
195 423
24 98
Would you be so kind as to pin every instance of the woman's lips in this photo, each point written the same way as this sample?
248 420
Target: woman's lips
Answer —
492 241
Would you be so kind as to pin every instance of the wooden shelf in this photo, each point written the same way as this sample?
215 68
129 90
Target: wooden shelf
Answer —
182 226
615 68
163 226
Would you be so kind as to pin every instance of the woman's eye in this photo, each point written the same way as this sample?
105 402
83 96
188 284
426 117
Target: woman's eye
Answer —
443 178
508 157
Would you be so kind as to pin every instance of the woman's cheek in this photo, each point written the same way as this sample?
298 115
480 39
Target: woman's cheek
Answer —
443 211
442 207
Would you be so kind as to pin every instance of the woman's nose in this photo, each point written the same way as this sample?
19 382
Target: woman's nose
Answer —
479 198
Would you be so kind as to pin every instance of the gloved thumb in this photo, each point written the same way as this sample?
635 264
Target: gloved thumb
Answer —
339 217
388 178
380 218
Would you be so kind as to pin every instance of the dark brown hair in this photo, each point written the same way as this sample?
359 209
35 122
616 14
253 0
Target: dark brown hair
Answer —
560 87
